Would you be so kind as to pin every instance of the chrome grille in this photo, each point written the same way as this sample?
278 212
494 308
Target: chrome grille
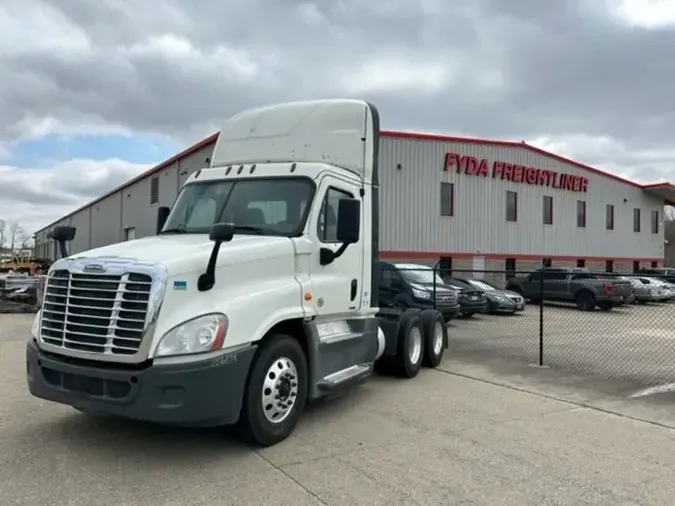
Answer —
97 313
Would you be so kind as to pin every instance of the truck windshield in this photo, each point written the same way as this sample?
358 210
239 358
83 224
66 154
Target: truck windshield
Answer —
261 206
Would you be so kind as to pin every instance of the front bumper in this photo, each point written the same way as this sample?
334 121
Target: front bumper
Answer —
205 393
470 306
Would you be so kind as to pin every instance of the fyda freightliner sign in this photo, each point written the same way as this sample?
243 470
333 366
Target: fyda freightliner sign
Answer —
507 171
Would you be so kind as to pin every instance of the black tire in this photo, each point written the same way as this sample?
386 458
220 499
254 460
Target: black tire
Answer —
585 301
606 306
253 425
431 320
411 324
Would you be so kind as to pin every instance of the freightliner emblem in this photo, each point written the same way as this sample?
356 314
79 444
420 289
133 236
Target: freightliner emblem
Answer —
93 268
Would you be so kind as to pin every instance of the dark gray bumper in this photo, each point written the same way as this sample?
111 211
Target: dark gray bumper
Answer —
199 394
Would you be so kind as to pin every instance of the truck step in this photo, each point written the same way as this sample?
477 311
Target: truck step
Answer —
348 376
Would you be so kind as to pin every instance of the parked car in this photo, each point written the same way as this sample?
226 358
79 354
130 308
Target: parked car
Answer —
575 285
658 289
405 285
471 300
498 300
643 293
662 273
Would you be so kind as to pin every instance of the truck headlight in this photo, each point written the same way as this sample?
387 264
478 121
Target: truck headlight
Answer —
35 327
203 334
421 294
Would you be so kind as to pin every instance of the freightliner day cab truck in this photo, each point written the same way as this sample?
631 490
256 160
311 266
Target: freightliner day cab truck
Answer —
258 294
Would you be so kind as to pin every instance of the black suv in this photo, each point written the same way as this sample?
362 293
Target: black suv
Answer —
405 285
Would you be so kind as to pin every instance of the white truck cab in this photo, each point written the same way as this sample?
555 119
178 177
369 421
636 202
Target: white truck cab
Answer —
257 295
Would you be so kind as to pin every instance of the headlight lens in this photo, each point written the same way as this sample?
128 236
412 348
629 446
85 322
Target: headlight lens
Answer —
35 328
203 334
421 294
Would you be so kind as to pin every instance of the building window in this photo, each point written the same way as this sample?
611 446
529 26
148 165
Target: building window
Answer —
447 199
654 264
509 268
445 267
511 206
636 220
609 217
154 190
581 262
548 210
581 213
636 266
609 265
655 222
129 234
546 262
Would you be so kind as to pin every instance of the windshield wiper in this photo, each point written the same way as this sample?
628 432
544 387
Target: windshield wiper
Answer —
180 229
249 228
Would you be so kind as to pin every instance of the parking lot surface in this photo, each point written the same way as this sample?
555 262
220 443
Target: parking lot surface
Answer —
444 438
634 344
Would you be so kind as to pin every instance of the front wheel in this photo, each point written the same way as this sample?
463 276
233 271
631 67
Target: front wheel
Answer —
276 392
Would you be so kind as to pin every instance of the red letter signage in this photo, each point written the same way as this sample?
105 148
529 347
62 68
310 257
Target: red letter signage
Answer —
515 173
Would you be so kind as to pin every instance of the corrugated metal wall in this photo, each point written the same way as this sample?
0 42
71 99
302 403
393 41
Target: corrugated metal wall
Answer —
411 220
410 207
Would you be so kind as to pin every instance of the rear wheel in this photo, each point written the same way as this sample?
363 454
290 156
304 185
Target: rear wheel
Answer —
276 392
585 301
408 359
435 337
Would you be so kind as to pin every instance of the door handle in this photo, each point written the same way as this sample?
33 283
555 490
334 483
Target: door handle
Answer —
355 285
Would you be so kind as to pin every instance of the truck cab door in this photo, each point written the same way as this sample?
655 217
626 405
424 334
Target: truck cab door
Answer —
343 336
336 287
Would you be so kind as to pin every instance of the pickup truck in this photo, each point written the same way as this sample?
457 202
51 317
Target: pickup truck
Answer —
576 285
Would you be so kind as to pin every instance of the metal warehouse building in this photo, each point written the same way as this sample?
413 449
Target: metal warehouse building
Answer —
468 203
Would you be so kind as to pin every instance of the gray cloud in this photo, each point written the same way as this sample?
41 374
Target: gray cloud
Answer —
568 73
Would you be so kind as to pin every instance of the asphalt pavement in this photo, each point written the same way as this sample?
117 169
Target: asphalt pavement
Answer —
470 434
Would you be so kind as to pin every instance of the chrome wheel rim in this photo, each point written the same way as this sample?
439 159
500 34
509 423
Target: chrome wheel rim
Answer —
280 390
415 346
438 338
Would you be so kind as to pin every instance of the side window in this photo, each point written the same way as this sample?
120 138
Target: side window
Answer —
327 225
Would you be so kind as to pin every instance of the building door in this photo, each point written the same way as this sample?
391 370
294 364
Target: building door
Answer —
445 267
581 263
609 265
636 266
129 234
509 268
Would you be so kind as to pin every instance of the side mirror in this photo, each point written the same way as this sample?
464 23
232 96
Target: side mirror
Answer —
218 233
162 215
221 232
62 235
349 221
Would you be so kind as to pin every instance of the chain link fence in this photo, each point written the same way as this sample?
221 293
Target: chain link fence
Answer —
607 325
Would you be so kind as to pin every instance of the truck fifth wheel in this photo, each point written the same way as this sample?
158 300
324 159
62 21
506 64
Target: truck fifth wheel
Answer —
257 295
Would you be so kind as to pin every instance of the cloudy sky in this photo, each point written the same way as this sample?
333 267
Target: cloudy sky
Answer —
93 92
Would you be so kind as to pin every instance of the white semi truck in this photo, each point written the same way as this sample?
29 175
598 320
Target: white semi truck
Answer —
258 294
